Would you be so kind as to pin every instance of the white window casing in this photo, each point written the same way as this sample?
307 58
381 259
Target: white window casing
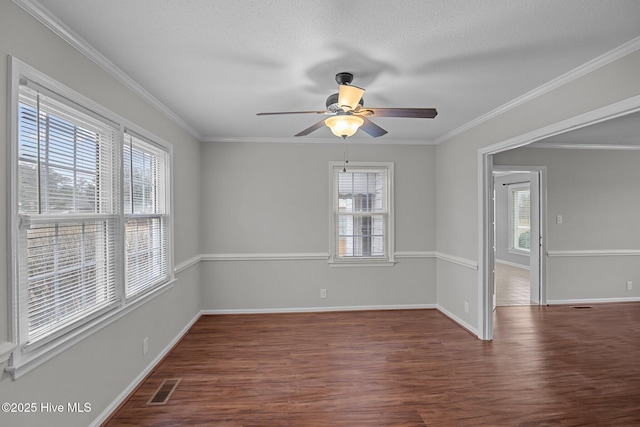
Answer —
361 214
90 240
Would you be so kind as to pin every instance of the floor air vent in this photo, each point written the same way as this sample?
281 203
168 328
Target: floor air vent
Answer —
581 307
164 392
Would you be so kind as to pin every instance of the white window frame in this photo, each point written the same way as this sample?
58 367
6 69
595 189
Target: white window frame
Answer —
335 260
23 358
510 190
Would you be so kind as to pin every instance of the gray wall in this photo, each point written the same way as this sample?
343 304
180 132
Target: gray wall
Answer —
100 367
502 220
261 198
457 182
273 198
597 192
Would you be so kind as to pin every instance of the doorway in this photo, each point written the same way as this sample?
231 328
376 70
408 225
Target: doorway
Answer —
485 192
518 219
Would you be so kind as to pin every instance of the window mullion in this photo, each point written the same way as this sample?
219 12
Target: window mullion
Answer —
68 215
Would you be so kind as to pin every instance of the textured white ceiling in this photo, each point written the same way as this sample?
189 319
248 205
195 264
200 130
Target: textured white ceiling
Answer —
217 63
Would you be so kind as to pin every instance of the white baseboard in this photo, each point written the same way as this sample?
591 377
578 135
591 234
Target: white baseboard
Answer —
592 301
513 264
138 379
458 320
319 309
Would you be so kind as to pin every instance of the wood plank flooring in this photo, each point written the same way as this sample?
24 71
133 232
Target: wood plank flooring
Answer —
512 285
547 366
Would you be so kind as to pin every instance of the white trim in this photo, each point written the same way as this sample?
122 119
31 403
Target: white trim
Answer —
188 263
577 146
602 114
323 256
594 253
313 140
513 264
592 301
317 256
72 338
361 263
468 263
335 168
104 415
416 254
485 168
586 68
319 309
21 362
458 320
45 17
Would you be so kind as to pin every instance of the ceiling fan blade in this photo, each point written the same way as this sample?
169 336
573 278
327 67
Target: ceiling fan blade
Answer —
310 129
349 97
293 112
417 113
372 129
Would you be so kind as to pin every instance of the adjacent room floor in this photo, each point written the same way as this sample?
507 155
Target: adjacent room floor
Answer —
512 285
552 366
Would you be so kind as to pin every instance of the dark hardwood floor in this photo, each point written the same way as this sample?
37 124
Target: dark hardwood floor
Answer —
547 366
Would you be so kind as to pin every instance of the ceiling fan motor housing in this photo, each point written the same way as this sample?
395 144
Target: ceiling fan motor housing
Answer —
332 103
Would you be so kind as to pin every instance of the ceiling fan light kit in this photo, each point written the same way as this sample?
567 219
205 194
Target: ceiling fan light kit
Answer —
344 125
348 115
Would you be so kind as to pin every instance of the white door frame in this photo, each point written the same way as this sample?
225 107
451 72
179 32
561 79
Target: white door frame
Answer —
541 269
485 203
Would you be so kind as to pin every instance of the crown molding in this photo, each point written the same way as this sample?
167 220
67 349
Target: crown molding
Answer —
45 17
307 140
578 146
586 68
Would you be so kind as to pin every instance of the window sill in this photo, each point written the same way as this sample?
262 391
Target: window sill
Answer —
32 359
362 263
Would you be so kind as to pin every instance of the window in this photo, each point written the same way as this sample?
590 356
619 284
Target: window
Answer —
362 220
67 212
145 205
519 218
90 217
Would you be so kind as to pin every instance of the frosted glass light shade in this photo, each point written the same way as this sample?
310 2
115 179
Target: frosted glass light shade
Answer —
344 125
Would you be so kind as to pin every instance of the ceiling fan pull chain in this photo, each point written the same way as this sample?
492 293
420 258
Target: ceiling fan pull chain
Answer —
346 158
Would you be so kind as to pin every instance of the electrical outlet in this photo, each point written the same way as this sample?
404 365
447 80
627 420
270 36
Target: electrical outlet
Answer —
145 345
323 293
558 219
466 307
629 285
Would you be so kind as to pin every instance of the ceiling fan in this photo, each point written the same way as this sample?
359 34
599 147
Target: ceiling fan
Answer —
348 114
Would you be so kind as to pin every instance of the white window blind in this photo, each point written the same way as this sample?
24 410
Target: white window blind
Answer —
362 212
90 216
67 205
146 206
520 218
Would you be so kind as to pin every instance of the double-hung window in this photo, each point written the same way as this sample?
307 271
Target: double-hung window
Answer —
362 213
91 215
519 218
68 213
146 194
